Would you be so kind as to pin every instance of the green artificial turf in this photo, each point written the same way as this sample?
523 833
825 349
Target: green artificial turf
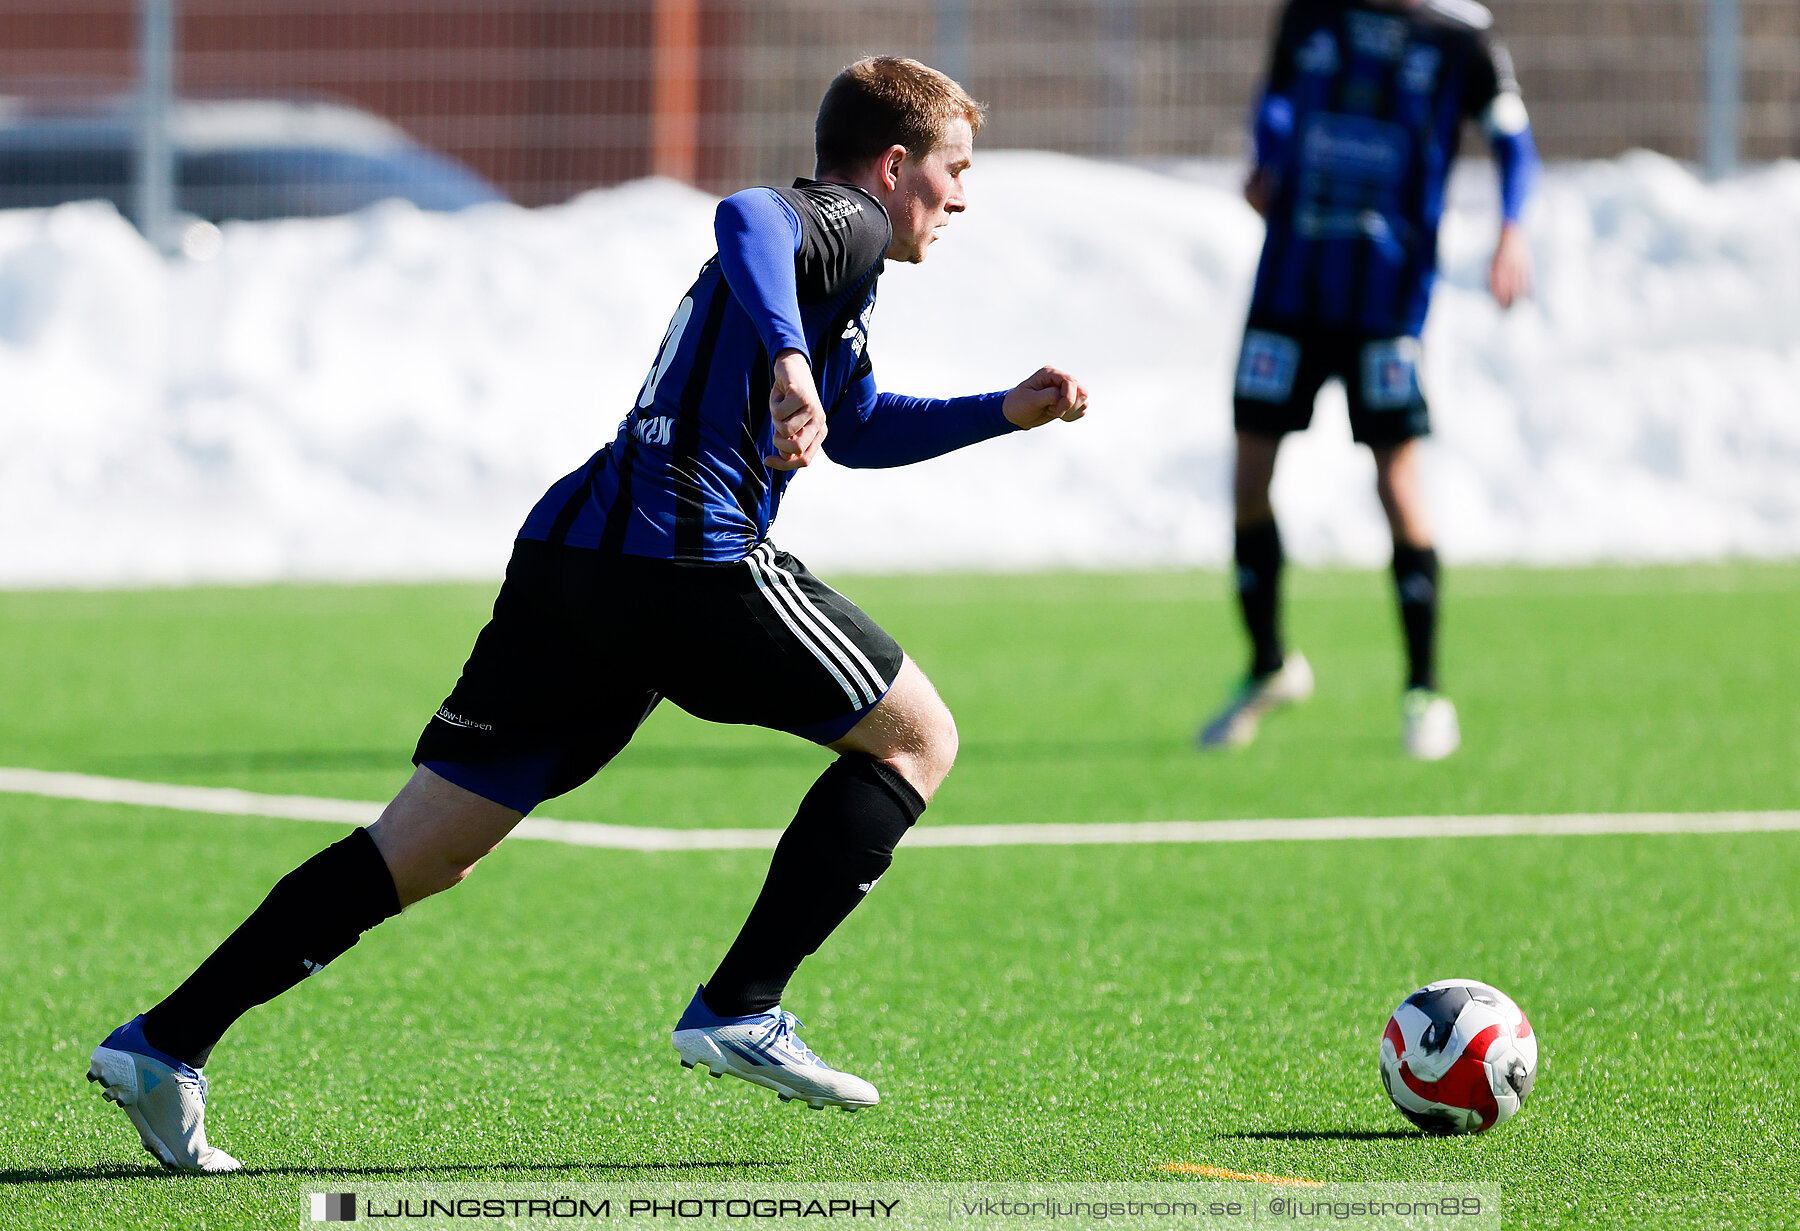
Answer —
1028 1012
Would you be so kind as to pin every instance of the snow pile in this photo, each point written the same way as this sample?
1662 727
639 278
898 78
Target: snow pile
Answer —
385 395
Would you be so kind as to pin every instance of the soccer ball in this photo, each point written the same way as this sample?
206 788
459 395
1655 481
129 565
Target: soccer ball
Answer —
1458 1057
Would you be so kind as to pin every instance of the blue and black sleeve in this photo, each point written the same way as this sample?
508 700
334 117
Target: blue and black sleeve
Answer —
871 429
1272 126
1494 99
758 234
782 249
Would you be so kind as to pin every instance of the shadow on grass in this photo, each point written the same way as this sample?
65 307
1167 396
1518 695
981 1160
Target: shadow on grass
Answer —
267 760
1029 751
1386 1134
644 756
127 1171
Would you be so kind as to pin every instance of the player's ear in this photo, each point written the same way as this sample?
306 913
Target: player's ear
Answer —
891 160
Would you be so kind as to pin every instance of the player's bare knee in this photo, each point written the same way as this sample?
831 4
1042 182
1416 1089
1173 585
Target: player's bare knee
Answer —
924 774
423 864
435 832
1405 511
421 879
454 874
1390 502
458 860
945 742
927 756
930 734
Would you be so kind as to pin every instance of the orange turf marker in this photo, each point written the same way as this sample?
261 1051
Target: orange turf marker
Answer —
1219 1173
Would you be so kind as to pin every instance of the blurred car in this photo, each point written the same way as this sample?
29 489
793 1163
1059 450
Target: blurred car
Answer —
235 158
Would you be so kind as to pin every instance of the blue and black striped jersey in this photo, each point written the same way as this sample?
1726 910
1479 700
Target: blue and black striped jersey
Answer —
685 479
1363 114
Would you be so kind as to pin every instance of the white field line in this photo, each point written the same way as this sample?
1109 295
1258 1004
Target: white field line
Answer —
230 802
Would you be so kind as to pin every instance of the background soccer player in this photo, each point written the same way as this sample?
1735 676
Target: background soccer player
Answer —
1354 137
648 573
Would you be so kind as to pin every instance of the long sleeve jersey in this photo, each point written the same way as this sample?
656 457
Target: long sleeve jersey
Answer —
1359 124
685 479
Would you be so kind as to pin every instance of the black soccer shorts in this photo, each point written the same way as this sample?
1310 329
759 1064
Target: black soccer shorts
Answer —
583 645
1281 369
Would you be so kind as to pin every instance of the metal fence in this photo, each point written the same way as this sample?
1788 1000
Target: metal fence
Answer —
1172 78
546 98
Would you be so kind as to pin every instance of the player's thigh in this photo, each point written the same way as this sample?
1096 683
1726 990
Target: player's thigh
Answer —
1279 372
552 690
1386 393
764 642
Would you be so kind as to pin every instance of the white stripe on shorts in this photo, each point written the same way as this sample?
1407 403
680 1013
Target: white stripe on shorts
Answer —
758 560
826 635
870 675
805 629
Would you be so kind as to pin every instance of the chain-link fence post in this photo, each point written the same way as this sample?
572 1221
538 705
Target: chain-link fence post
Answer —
1724 86
153 189
1118 68
950 40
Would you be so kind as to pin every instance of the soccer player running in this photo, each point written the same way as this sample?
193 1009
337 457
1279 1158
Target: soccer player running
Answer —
1354 138
648 573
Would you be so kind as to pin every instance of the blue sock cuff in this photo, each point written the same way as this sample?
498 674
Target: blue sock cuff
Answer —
701 1017
130 1037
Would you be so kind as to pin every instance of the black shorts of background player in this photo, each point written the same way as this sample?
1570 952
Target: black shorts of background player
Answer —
1355 133
647 573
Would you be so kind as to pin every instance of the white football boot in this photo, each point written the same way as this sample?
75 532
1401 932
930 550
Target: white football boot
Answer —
1428 726
763 1048
165 1099
1235 726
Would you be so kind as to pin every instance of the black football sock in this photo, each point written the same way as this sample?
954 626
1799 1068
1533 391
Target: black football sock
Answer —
1416 583
313 914
1259 560
840 842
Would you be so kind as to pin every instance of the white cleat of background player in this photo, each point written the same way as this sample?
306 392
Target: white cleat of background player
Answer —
1428 726
1236 725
